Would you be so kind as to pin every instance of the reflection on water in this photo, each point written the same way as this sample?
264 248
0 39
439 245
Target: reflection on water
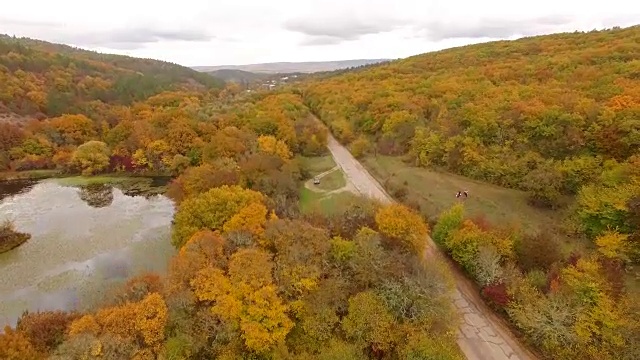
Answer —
83 240
97 195
14 187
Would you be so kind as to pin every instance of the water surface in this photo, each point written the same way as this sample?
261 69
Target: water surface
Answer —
83 241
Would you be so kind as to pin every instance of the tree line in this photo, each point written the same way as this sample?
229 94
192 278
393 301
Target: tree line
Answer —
557 116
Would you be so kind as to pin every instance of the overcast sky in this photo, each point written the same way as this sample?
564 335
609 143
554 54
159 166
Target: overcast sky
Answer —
215 32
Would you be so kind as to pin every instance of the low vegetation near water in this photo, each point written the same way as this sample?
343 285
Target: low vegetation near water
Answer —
10 238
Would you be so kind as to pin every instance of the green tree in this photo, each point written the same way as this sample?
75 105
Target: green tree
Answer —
448 222
210 210
91 157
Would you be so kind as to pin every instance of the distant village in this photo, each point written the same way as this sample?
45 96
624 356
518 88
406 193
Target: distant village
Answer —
271 84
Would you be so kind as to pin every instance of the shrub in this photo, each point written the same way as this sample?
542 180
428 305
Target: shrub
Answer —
359 212
463 245
14 345
538 279
543 184
360 147
448 222
420 346
487 266
537 252
45 330
497 294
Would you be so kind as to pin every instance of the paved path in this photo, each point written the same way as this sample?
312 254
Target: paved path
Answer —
482 335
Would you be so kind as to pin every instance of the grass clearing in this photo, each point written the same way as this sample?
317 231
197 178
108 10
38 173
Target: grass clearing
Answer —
28 174
435 192
317 164
311 201
94 180
333 181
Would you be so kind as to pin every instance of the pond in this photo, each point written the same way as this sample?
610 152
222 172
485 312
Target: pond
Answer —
84 240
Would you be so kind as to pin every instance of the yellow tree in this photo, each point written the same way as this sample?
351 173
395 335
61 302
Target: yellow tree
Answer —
91 157
151 319
251 267
369 322
301 253
613 245
14 345
158 155
246 299
264 323
73 129
599 319
270 145
205 248
118 320
85 325
400 223
251 219
211 210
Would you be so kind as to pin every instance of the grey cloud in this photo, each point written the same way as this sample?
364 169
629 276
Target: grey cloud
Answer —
120 38
336 30
321 40
492 28
27 23
135 38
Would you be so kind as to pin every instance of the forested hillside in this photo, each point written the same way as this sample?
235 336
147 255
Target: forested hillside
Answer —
254 277
40 78
551 108
557 116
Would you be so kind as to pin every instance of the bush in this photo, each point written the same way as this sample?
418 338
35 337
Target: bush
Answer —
448 222
463 245
497 294
487 266
45 330
5 161
360 147
422 347
400 193
537 252
544 184
538 279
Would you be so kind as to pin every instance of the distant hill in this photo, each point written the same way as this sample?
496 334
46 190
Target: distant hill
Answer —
293 67
39 77
238 76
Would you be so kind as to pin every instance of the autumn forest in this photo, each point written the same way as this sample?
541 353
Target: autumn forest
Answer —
257 275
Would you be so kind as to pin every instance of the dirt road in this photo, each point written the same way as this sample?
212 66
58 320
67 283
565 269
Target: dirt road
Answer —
482 335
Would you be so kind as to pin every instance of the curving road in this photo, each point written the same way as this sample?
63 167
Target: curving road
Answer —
482 335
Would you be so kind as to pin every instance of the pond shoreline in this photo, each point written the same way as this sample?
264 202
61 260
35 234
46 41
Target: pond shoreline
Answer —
12 243
10 238
132 184
85 238
50 174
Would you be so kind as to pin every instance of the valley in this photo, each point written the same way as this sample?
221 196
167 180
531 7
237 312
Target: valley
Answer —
174 215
